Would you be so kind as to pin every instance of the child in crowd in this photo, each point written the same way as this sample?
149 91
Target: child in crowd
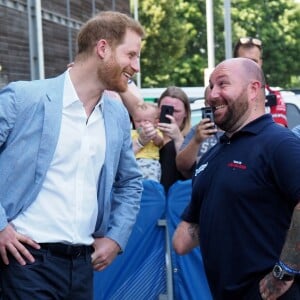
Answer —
147 140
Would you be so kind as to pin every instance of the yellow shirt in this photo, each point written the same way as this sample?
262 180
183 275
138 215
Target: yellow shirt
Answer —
150 150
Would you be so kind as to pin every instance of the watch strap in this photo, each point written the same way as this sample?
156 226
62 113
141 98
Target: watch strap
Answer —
281 274
288 269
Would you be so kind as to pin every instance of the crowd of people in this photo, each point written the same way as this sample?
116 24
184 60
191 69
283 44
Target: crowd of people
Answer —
69 202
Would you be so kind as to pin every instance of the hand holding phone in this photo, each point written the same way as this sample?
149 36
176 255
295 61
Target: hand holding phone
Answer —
207 112
166 110
271 100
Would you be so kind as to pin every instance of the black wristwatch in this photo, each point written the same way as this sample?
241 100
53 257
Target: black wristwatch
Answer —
281 274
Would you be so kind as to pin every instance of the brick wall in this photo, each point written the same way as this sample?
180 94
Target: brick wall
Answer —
14 43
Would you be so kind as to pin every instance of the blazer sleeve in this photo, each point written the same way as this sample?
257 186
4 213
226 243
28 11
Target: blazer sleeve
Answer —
126 182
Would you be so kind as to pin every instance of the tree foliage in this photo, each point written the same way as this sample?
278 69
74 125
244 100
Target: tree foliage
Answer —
166 37
175 49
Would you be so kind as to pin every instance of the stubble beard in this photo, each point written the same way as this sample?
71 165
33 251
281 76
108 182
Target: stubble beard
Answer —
235 114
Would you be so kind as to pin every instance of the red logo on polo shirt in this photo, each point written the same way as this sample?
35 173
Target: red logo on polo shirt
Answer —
237 164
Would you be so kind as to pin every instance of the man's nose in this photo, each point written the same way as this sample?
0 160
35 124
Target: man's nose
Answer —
214 93
135 64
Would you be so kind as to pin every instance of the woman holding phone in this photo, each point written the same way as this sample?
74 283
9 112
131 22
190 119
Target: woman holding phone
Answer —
174 124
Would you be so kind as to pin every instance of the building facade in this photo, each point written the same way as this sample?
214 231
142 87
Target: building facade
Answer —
61 20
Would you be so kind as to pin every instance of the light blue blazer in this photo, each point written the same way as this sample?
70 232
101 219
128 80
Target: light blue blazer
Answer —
30 119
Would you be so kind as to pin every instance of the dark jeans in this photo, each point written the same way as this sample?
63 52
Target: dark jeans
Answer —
57 273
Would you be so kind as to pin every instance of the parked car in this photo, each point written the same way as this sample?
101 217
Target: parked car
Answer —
292 102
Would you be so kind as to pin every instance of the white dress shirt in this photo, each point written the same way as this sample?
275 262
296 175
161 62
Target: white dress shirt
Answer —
66 208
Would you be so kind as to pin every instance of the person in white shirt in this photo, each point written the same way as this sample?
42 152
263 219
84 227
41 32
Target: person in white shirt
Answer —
70 187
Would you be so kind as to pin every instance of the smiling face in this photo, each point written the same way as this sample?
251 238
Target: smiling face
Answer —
235 95
121 63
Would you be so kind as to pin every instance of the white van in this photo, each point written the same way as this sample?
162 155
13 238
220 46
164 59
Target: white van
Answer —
152 94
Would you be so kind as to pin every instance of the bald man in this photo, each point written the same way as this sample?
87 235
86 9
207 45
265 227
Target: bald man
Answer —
245 210
252 48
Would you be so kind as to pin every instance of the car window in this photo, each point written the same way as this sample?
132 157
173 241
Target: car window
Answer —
196 106
196 116
293 115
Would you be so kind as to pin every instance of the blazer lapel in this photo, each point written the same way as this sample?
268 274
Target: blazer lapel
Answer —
51 126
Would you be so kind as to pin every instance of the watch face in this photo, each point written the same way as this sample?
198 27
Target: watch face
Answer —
277 272
280 274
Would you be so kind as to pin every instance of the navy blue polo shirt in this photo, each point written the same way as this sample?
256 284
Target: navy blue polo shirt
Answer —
244 193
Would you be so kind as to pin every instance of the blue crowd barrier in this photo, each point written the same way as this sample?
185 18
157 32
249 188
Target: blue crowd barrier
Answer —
189 279
140 272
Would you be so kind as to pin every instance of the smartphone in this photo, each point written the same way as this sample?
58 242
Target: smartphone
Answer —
166 110
271 100
207 112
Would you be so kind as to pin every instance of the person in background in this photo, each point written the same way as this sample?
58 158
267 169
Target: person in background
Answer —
147 140
198 141
296 130
173 133
245 204
69 202
251 48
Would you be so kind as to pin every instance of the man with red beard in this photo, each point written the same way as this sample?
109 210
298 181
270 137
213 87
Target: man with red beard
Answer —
70 187
245 205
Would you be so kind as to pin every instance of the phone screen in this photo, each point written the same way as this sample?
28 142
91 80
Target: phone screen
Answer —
271 100
207 112
166 110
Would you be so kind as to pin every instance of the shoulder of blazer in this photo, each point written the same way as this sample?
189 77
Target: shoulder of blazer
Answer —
53 87
114 106
36 89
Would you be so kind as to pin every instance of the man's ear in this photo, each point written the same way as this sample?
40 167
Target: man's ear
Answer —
255 89
101 48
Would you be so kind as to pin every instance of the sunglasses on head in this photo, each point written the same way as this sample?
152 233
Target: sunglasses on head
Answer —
250 40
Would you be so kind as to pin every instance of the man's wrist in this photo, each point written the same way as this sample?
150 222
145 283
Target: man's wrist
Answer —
288 269
283 272
198 140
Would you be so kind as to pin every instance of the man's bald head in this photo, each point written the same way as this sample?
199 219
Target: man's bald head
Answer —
247 68
237 93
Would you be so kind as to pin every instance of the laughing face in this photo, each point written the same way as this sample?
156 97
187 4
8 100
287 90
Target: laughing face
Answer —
228 97
121 63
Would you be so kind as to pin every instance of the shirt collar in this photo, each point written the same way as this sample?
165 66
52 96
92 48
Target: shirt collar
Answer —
70 94
252 128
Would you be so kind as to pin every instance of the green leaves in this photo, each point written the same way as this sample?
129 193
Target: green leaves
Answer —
175 49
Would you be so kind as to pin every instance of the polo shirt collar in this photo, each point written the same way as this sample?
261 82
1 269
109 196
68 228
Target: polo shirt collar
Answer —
252 128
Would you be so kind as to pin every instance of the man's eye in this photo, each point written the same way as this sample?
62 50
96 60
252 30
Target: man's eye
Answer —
131 55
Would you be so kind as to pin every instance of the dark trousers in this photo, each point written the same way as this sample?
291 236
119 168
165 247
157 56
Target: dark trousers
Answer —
60 272
292 294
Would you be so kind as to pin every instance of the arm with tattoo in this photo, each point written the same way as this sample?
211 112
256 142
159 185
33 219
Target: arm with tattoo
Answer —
290 254
186 237
271 288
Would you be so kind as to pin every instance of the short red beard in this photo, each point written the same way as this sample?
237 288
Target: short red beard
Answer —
111 75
